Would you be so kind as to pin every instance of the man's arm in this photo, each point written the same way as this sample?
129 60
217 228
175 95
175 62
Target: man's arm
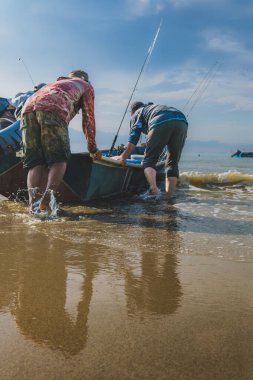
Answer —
126 153
135 133
88 119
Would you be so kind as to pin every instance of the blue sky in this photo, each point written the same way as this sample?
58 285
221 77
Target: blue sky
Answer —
110 39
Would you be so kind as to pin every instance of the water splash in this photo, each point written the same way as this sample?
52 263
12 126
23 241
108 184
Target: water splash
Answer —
53 205
147 196
51 213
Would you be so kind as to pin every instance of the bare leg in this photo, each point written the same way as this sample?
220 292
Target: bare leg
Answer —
36 183
150 175
170 185
55 176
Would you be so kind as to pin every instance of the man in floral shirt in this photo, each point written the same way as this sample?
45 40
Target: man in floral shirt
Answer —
44 124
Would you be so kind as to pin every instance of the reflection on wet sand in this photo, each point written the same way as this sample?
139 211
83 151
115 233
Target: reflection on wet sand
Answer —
51 291
153 286
39 306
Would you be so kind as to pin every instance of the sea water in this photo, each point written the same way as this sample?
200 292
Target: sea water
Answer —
133 289
217 185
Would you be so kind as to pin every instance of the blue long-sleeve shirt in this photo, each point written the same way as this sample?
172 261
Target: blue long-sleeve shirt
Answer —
150 116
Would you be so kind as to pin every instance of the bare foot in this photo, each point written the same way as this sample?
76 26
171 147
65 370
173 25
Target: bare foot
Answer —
45 201
154 191
30 208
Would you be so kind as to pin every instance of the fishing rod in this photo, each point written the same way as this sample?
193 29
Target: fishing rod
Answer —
21 59
201 88
138 78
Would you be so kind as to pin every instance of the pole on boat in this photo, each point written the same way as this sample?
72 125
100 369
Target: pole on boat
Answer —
141 71
28 72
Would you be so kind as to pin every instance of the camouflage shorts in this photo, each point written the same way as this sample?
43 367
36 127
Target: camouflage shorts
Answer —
45 139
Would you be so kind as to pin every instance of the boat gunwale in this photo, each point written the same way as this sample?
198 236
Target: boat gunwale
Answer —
112 162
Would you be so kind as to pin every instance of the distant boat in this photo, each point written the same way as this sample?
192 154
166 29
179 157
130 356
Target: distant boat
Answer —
84 179
239 153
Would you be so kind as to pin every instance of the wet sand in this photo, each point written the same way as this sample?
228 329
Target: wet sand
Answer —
129 291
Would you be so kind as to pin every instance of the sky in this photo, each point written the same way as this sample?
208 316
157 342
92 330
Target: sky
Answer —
201 63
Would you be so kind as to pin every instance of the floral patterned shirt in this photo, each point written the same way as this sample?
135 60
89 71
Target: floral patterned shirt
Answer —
64 98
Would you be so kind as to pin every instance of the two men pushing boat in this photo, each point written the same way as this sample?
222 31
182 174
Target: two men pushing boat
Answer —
44 124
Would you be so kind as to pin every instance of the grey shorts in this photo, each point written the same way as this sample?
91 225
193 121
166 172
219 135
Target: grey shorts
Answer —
45 139
172 134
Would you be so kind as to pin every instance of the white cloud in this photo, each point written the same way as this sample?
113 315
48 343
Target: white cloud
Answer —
190 3
143 7
226 92
227 43
238 102
233 91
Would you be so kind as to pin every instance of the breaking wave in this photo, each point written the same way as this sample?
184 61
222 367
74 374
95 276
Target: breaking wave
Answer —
213 179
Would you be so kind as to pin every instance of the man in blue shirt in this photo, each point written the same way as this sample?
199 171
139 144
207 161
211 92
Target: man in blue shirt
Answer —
164 126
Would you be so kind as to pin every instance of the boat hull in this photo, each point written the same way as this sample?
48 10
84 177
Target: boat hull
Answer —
90 180
84 179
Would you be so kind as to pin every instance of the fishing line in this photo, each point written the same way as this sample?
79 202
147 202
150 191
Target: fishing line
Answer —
201 88
21 59
199 85
150 50
197 93
200 94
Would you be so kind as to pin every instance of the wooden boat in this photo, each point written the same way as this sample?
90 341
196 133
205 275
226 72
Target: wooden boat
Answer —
84 179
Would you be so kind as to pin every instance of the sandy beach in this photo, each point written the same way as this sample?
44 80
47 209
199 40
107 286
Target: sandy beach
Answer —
121 292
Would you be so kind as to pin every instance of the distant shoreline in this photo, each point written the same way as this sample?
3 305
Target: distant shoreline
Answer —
104 140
